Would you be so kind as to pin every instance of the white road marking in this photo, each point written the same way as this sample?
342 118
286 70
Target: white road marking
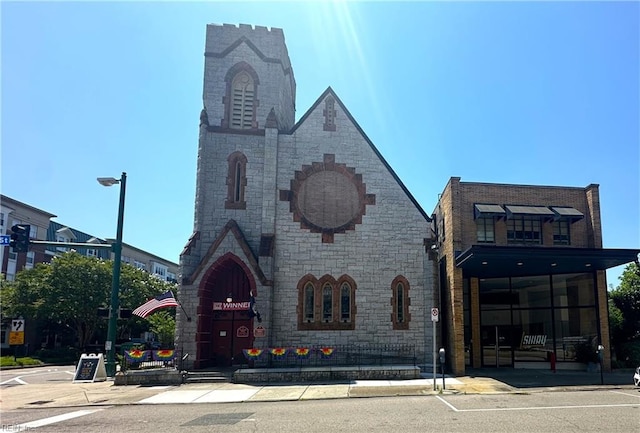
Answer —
586 406
503 409
32 373
47 421
15 379
447 403
624 393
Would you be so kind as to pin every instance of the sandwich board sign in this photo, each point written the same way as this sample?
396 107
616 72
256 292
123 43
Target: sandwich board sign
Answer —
90 368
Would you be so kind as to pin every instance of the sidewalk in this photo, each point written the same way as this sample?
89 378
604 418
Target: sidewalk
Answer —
485 381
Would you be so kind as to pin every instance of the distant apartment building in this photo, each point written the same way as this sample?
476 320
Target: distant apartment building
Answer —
14 212
43 229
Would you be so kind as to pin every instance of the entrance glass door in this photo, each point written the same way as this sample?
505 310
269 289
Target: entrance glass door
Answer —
497 340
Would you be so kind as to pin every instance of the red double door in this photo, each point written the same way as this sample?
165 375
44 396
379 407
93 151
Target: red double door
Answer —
232 327
232 332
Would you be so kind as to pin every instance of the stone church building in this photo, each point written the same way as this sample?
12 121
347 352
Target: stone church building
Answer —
305 221
304 236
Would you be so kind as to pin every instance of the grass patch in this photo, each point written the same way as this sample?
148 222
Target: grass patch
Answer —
10 361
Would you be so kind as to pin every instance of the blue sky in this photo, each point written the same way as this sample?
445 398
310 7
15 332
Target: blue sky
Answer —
540 93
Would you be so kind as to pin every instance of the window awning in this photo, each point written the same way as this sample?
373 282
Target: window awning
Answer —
488 210
541 211
486 261
567 213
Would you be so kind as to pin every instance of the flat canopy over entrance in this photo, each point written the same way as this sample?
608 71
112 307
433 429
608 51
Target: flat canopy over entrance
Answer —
486 261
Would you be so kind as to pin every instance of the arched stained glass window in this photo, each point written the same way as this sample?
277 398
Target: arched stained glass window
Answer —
400 302
327 303
309 301
345 303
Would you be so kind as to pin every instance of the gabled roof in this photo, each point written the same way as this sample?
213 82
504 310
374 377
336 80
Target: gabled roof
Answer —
322 97
233 228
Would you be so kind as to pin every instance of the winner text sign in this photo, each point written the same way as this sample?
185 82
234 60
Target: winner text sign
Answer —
230 306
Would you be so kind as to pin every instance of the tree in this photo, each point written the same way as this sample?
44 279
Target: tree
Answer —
70 290
163 324
626 299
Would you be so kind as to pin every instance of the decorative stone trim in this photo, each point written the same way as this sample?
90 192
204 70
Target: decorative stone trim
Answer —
327 211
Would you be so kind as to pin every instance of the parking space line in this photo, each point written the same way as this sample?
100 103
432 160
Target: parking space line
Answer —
624 393
587 406
447 403
506 409
47 421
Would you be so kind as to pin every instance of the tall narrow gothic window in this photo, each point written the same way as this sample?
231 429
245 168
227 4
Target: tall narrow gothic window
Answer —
327 303
345 302
236 181
237 190
243 93
400 302
309 302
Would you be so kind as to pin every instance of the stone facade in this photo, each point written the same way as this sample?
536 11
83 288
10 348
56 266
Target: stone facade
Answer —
313 200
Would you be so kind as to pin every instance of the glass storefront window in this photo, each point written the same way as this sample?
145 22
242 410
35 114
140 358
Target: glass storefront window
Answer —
535 333
526 318
573 290
495 293
531 292
576 334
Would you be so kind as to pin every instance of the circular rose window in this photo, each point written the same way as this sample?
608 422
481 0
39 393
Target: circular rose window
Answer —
328 198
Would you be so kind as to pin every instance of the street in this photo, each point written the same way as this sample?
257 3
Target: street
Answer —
38 375
574 411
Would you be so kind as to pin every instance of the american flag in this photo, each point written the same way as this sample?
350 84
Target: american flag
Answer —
161 301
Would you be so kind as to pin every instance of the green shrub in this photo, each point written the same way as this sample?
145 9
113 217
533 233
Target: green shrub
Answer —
9 361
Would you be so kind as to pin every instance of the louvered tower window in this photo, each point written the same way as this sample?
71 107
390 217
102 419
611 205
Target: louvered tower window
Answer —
243 94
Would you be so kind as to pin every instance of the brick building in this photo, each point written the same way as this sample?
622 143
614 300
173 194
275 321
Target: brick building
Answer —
522 274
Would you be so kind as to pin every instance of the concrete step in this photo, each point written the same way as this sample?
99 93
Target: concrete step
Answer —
209 376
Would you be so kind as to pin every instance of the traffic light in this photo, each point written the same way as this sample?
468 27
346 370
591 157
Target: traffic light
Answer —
20 238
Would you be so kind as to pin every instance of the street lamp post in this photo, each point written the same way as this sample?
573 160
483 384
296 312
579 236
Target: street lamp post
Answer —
115 282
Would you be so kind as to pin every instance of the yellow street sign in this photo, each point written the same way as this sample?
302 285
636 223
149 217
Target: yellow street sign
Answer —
16 338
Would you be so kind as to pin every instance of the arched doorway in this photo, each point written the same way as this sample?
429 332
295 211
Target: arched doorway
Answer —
225 327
